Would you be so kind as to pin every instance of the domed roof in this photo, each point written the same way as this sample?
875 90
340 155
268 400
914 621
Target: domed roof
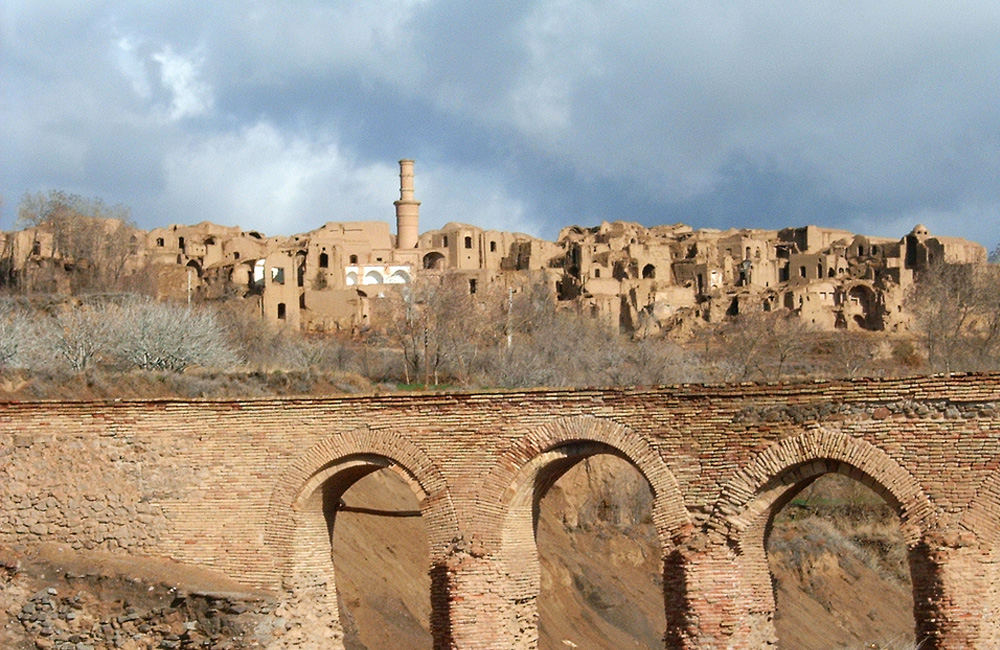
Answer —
920 229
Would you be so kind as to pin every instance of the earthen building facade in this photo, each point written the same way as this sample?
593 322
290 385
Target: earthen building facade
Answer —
644 280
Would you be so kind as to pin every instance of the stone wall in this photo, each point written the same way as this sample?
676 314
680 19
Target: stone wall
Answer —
248 488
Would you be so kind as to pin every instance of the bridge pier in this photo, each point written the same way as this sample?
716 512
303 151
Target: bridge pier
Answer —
476 611
954 593
709 600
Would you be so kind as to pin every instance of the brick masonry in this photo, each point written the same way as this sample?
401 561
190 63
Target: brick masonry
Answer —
249 488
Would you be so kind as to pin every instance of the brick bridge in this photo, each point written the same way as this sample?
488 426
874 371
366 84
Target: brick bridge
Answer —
249 488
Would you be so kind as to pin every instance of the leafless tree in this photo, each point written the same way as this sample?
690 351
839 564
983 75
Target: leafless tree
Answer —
93 240
759 345
847 354
442 329
158 336
565 348
956 309
14 334
75 335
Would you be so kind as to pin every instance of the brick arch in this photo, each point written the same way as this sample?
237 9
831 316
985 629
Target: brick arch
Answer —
299 534
747 503
501 484
368 445
511 491
757 486
979 527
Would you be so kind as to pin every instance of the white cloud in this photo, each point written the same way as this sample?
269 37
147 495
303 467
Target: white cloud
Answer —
844 109
283 183
274 181
190 96
975 221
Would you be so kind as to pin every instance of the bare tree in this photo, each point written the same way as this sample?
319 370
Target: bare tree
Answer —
760 345
91 240
847 354
157 336
956 309
442 329
76 336
14 334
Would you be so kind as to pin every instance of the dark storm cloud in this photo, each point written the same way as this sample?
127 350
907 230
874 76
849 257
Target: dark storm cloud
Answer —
523 116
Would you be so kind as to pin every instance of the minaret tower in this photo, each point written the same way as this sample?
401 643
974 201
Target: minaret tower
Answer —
407 209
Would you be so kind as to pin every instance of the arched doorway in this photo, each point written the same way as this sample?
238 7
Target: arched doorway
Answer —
380 555
434 261
332 513
840 569
862 305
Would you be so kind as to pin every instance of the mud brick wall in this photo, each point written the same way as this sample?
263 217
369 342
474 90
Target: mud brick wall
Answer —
242 487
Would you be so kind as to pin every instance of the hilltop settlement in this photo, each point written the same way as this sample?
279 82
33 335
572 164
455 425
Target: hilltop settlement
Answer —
644 280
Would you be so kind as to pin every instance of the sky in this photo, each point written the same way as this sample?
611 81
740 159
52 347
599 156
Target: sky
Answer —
526 116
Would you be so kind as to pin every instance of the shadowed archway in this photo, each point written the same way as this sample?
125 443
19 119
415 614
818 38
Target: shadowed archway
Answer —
304 509
521 479
748 504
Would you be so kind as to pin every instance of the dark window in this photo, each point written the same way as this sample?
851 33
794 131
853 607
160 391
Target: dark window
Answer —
36 248
354 259
597 273
472 286
281 311
302 301
802 271
493 247
324 260
444 240
180 242
236 255
819 270
159 242
468 242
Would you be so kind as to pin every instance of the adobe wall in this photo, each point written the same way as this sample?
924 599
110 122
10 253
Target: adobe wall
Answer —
245 487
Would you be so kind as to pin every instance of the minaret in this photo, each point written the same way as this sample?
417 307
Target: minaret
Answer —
407 210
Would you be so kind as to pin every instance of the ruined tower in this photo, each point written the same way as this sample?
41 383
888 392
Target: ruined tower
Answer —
407 209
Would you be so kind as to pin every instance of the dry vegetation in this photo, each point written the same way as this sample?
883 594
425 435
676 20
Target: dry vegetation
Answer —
434 333
430 333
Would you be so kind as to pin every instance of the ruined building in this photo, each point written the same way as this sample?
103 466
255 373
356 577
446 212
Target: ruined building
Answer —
645 280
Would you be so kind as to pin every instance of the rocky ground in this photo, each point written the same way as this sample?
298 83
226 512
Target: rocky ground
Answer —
836 556
55 599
